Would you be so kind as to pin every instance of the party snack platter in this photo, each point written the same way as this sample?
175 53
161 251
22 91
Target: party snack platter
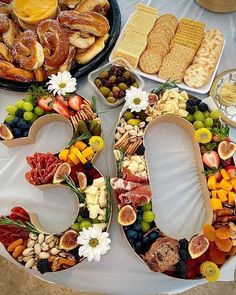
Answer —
183 52
80 50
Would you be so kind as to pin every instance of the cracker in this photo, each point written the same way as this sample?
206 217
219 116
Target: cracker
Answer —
150 61
196 76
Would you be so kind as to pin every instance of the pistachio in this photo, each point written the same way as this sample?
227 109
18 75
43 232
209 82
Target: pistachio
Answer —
117 136
51 245
28 252
20 258
62 254
45 246
122 120
133 138
44 255
121 130
30 243
142 124
29 263
37 248
149 119
140 133
136 128
128 127
33 236
56 240
54 251
133 132
49 239
34 267
27 258
41 238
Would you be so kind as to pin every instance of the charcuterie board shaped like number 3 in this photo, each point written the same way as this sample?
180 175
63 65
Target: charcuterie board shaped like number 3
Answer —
173 153
21 232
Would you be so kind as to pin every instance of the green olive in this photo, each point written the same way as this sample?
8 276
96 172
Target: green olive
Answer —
104 91
122 86
127 75
98 82
128 115
104 75
135 85
111 99
110 94
112 78
115 89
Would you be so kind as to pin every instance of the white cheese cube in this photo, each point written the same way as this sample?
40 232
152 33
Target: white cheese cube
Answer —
133 167
99 182
93 210
92 190
91 199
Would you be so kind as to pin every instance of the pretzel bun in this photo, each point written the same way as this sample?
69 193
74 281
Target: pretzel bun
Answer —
79 41
27 51
89 22
10 72
85 56
99 6
55 42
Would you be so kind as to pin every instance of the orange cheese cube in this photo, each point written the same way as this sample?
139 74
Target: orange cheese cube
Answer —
211 182
88 152
80 145
222 195
214 194
224 174
68 161
226 185
90 157
233 181
231 198
218 185
73 158
215 204
71 147
79 155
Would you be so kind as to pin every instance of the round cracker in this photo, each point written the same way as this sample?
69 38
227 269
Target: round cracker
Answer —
150 61
196 76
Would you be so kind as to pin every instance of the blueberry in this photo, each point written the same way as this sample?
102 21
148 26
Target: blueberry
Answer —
203 107
22 125
14 122
19 113
16 132
137 226
132 235
141 150
190 109
138 247
145 239
25 133
183 243
126 228
88 166
198 101
184 254
191 102
153 236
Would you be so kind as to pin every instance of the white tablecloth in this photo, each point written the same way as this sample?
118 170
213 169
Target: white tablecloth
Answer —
120 271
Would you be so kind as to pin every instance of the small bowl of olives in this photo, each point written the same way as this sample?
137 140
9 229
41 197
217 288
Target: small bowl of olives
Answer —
112 80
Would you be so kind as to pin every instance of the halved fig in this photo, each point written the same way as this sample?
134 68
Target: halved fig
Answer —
82 180
126 215
5 132
62 170
197 246
226 149
68 240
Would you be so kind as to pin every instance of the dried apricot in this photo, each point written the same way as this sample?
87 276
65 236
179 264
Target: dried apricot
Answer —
217 256
223 233
223 245
13 245
209 232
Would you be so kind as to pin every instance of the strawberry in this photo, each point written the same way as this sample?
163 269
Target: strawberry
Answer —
218 176
190 273
62 99
211 159
231 171
45 103
226 163
60 108
75 102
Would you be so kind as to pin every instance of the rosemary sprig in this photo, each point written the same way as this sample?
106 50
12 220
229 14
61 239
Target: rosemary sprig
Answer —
71 184
18 223
167 85
94 104
121 159
210 172
82 137
34 92
109 197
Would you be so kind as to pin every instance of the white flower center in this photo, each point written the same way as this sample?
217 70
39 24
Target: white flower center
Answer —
137 100
93 242
62 85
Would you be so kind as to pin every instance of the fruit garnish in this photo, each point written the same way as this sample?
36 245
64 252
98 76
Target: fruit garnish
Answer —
45 103
75 102
209 232
223 245
198 245
126 215
211 159
82 180
68 240
5 132
231 170
96 143
210 271
226 149
60 108
202 135
223 233
62 170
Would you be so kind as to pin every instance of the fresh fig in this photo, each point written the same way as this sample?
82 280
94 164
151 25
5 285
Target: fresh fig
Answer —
126 215
62 170
226 149
5 132
82 180
197 246
68 240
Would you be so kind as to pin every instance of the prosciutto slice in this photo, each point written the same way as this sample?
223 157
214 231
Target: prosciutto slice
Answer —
119 183
129 176
138 196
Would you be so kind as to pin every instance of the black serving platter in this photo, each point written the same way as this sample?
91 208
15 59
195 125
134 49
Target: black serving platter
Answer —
78 71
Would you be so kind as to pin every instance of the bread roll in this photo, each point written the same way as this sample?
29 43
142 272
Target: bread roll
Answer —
100 6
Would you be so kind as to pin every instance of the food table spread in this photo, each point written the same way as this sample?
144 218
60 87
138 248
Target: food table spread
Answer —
120 270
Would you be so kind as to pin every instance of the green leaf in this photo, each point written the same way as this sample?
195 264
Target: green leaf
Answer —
167 85
94 104
210 172
82 137
18 223
109 198
71 184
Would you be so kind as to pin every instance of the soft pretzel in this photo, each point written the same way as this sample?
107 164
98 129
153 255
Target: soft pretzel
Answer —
5 53
66 66
88 22
55 42
99 6
77 40
27 51
10 72
4 23
10 35
69 3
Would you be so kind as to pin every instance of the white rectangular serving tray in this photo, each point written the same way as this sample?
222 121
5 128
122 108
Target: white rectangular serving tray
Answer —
202 90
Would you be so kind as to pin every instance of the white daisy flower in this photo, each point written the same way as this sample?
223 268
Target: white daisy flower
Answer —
93 243
61 83
136 99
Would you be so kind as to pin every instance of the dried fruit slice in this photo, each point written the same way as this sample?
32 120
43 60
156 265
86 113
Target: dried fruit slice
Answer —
126 215
197 246
223 233
217 256
226 149
82 180
202 135
210 271
62 170
223 245
68 240
209 232
96 143
5 132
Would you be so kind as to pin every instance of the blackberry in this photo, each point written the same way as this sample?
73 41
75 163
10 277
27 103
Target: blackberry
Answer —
140 150
180 269
203 107
43 266
75 253
19 113
17 132
184 254
190 109
84 212
89 180
191 102
88 166
198 101
183 243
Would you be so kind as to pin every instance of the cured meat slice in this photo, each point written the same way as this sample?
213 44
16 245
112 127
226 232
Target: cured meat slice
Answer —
139 196
129 176
119 183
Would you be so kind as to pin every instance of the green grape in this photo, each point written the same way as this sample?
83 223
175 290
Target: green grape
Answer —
148 216
208 122
198 124
145 226
80 218
19 104
147 207
9 118
198 116
35 117
206 114
95 220
38 111
75 226
11 109
190 118
215 114
28 106
28 116
28 98
85 224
